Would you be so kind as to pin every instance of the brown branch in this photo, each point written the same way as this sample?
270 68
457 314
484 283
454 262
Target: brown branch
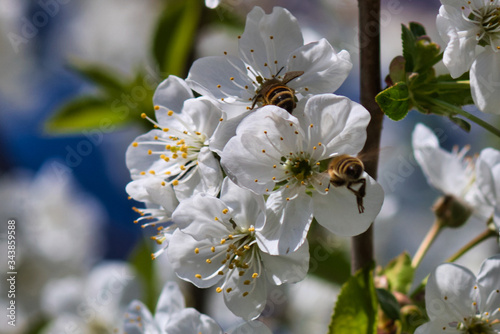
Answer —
369 55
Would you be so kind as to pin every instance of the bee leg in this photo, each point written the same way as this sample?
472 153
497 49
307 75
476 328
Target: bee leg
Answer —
360 193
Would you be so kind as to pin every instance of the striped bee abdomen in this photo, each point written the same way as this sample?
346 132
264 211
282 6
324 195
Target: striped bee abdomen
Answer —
281 96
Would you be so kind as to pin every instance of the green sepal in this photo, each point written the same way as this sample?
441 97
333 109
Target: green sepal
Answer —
399 273
408 39
356 309
388 304
395 101
463 124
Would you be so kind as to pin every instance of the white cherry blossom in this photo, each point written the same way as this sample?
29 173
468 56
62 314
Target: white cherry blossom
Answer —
172 317
464 25
275 149
178 150
459 302
220 242
455 174
488 179
271 46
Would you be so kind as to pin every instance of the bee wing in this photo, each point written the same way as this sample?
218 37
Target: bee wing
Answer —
289 76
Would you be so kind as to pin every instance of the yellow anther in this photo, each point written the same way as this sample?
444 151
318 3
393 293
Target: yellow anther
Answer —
152 172
182 167
175 182
263 151
245 293
197 250
241 273
220 273
221 119
228 290
222 241
256 180
216 219
288 198
156 107
255 275
165 129
150 152
135 144
170 113
247 282
143 115
198 276
327 190
184 156
153 257
271 37
219 289
225 211
274 178
311 125
218 86
208 261
251 229
274 166
175 156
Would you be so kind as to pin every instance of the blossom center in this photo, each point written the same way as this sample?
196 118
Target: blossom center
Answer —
487 18
476 325
300 168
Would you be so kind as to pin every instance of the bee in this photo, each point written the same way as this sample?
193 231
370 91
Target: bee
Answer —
347 170
274 91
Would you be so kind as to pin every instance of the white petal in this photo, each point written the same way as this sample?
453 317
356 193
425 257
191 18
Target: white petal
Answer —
485 81
324 69
289 268
139 160
294 218
212 3
450 293
272 38
210 171
250 306
339 124
436 326
461 37
139 320
190 321
489 285
171 94
488 175
338 210
196 216
444 171
207 73
153 189
247 208
225 131
204 114
252 327
170 301
187 263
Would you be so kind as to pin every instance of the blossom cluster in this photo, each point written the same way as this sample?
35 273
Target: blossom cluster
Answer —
233 178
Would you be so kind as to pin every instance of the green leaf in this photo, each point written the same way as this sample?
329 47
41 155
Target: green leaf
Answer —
408 40
101 76
464 125
395 101
399 273
86 113
388 304
417 29
175 36
141 260
356 308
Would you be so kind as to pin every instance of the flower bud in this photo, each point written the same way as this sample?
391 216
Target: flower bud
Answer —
451 211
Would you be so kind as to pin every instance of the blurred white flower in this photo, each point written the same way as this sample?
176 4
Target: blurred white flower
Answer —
212 3
459 302
488 179
172 317
58 233
91 304
455 174
463 25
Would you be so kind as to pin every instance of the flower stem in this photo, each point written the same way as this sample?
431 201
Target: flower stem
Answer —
427 242
488 233
370 86
465 114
